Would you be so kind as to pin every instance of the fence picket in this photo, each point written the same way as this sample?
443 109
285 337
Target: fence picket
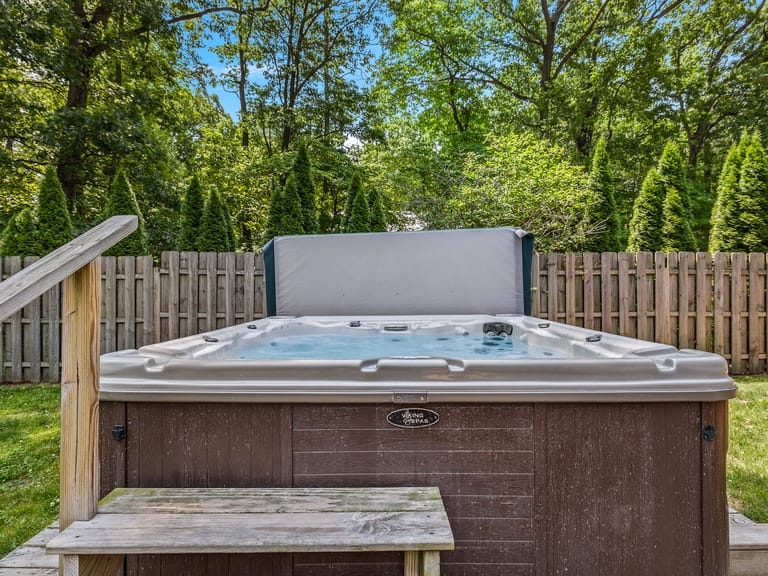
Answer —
709 302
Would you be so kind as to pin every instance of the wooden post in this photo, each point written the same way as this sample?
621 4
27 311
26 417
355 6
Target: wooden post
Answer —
79 480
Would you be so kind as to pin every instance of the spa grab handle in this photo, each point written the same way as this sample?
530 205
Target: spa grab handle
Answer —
411 363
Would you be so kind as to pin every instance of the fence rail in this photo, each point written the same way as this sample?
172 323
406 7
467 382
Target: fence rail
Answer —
690 300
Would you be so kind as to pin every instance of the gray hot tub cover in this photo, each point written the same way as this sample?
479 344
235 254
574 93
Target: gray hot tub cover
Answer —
477 271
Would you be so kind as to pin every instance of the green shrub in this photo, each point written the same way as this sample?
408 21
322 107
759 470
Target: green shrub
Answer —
191 215
359 212
54 227
753 197
676 232
213 227
725 234
121 200
20 235
647 215
601 223
292 216
378 217
306 190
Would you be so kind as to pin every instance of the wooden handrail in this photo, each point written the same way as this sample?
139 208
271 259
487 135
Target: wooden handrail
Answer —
33 281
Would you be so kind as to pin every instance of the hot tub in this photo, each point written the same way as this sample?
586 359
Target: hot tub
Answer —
557 450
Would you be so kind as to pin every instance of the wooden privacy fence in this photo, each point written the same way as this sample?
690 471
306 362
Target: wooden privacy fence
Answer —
704 301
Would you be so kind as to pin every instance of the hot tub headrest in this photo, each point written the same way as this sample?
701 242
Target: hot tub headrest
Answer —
478 271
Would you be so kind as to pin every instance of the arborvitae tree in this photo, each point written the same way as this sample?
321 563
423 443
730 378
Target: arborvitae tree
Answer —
601 221
673 171
359 215
676 232
122 200
303 173
275 215
20 235
378 217
292 217
753 197
54 227
213 227
647 215
191 215
725 234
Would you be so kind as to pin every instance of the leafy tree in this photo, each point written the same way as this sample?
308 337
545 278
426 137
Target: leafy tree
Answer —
275 215
648 215
121 200
523 180
19 238
753 197
292 216
231 240
191 215
601 211
53 223
358 215
303 173
726 234
676 232
213 227
377 215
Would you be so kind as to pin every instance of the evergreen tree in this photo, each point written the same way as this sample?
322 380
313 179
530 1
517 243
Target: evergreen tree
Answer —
673 171
601 212
359 212
676 232
54 227
292 216
191 215
303 173
725 234
20 235
275 215
121 200
647 215
378 217
753 197
213 227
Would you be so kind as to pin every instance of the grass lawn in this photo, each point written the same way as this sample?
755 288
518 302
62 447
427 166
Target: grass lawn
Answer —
29 462
748 448
29 457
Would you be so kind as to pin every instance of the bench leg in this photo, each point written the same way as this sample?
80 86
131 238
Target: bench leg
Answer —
86 565
430 563
424 563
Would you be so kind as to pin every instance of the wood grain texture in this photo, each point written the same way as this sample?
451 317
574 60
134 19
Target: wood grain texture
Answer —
715 506
91 565
481 457
270 500
79 472
32 282
618 489
167 533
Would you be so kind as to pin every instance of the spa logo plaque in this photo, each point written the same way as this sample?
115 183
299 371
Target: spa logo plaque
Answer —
413 417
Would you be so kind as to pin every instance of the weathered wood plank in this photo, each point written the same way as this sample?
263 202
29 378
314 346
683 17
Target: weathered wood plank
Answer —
269 500
756 314
608 266
91 565
164 533
703 301
32 282
738 331
79 476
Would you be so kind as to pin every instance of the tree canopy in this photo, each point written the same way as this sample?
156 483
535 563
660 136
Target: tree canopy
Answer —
425 99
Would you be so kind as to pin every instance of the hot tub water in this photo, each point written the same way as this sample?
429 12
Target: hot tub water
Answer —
393 345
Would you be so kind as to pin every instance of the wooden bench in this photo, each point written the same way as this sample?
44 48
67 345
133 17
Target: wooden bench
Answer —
258 520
